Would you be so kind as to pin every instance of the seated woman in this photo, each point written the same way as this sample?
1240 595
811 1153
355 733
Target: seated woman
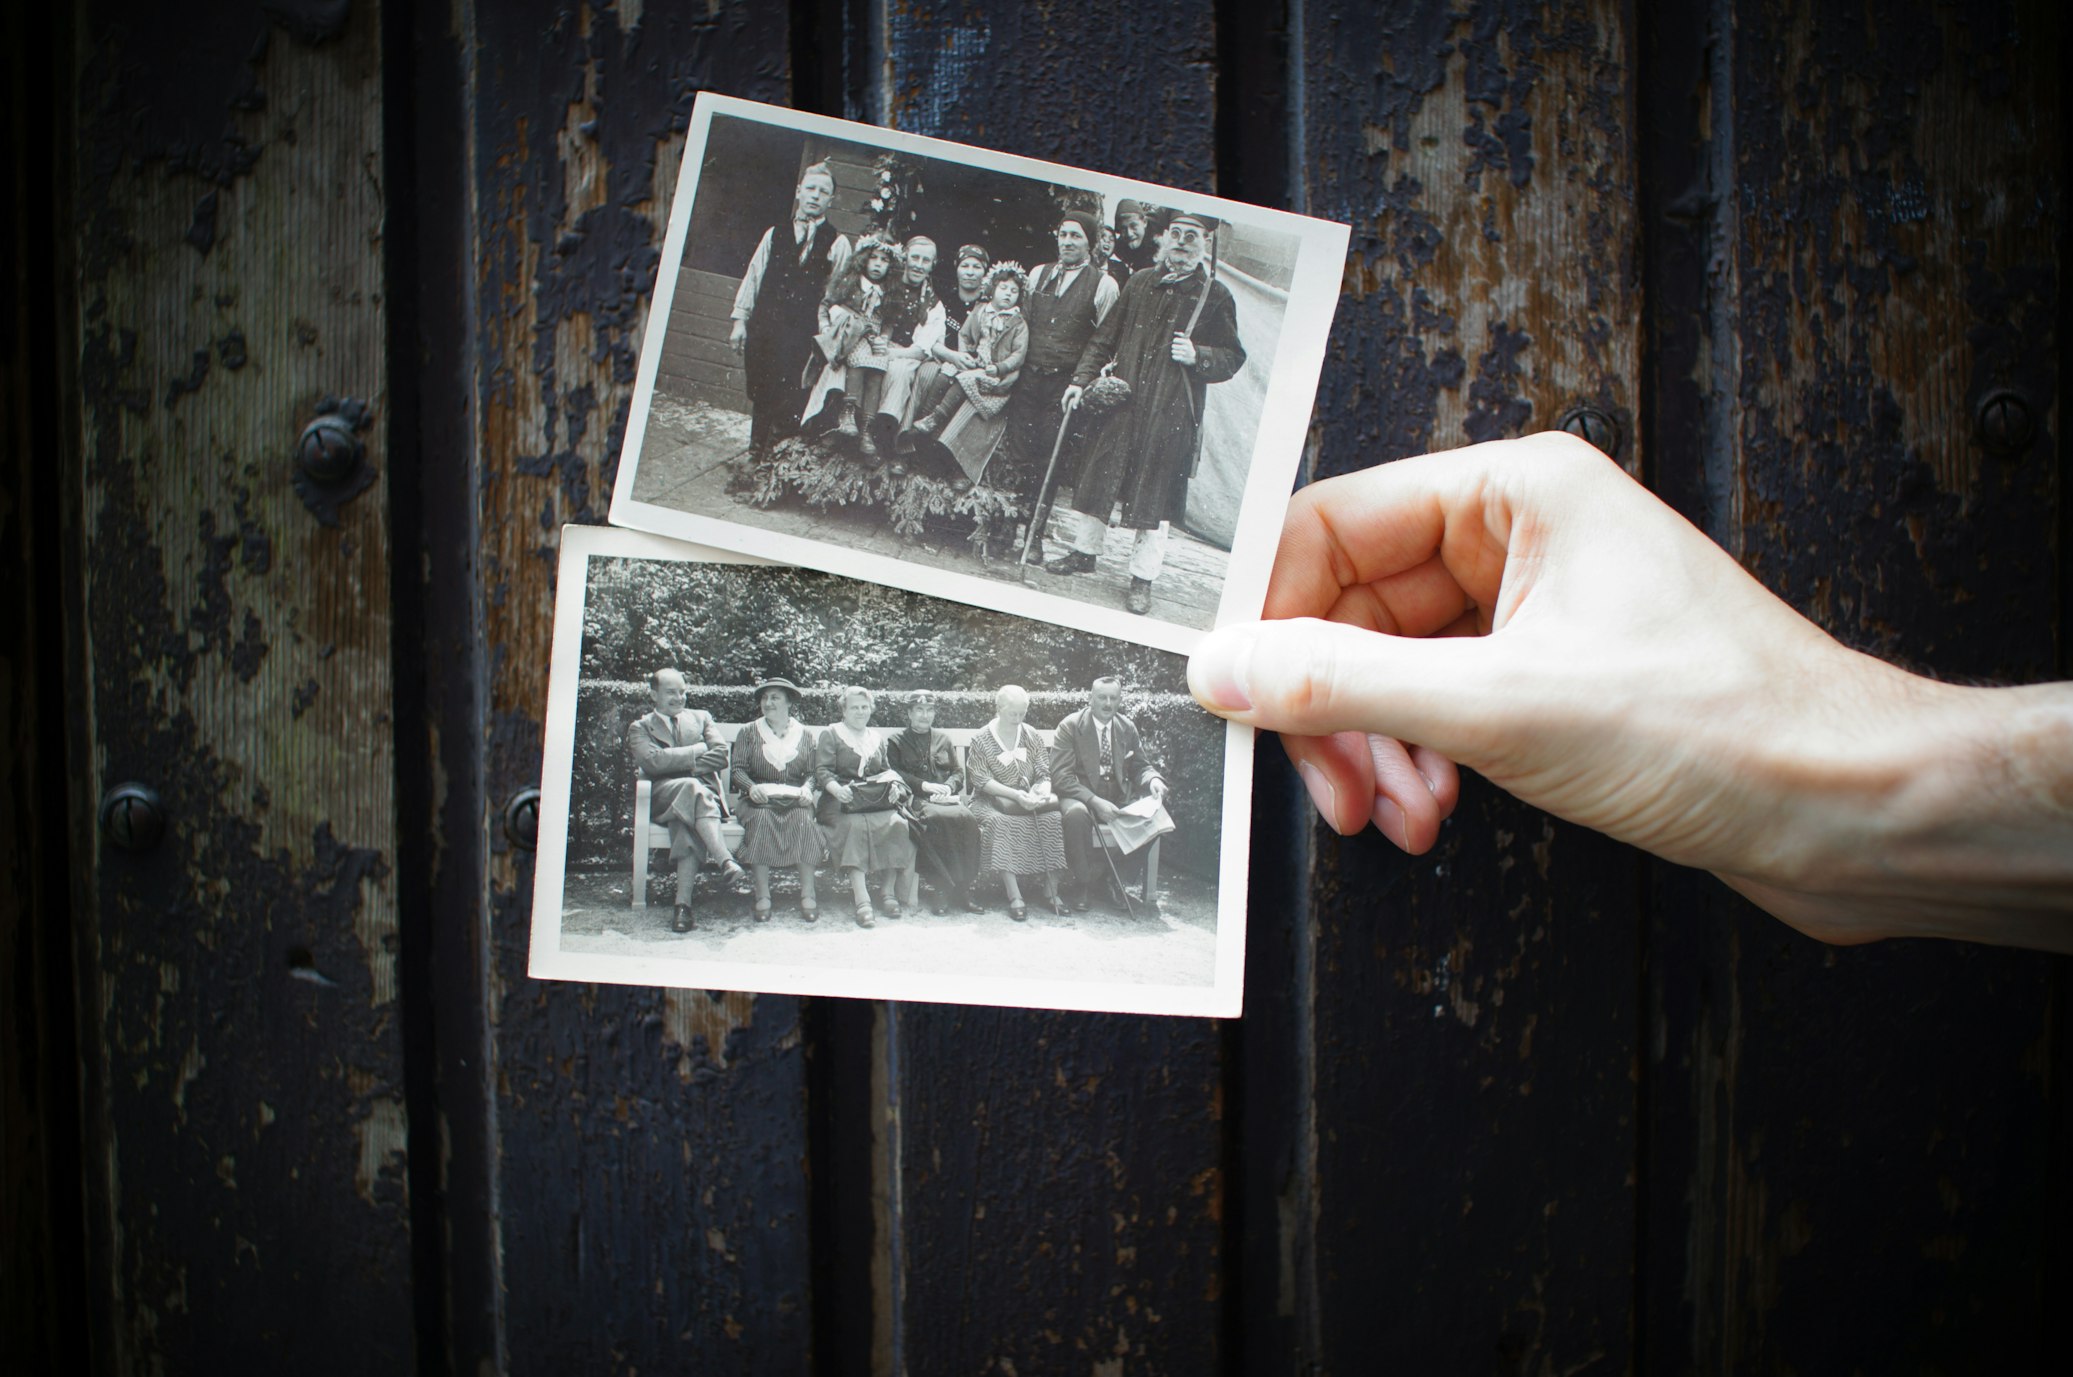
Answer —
771 770
947 844
1020 831
965 416
860 798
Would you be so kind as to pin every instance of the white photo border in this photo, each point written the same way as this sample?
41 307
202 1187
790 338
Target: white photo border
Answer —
1222 998
1277 447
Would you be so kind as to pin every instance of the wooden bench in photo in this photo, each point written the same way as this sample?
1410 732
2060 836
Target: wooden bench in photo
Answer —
648 837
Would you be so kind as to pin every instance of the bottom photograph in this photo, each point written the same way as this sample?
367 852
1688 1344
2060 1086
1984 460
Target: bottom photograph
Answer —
764 778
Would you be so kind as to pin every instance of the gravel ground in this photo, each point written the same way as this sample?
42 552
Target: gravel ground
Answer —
1176 945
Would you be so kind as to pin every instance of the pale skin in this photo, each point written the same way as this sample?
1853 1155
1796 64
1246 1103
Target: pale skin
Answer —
971 281
810 202
856 715
1010 708
776 707
669 693
1182 247
1526 609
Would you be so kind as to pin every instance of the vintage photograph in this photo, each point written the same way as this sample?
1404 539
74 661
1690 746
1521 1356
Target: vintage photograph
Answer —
1025 386
761 777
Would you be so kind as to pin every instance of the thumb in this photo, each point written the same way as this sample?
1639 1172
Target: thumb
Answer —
1306 677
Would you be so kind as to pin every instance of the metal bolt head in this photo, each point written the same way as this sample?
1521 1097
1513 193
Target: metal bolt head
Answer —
329 451
1593 427
2006 426
522 819
133 817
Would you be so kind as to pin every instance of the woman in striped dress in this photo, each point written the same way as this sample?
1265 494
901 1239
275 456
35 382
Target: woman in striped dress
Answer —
1020 831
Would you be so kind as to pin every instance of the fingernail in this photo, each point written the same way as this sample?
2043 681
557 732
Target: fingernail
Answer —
1389 821
1430 786
1219 668
1321 793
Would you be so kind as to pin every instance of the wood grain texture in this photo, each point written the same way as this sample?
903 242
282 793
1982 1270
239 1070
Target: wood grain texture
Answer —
1867 1131
245 1119
650 1144
1461 1194
1059 1194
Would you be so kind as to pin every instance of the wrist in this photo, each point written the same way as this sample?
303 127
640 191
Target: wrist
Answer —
1949 814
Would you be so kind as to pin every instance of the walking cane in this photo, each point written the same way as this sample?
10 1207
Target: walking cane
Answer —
1128 907
1044 488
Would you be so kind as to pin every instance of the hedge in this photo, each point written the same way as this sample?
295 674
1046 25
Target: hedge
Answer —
824 477
1186 742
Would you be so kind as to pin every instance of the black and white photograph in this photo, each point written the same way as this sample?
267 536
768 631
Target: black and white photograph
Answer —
1026 386
760 777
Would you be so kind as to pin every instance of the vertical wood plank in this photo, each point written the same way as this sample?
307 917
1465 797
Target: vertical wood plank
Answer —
1059 1177
1866 1132
647 1147
245 1124
1464 1195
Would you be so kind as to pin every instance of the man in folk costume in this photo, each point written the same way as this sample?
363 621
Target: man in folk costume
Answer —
777 307
680 750
1068 300
1173 332
1136 246
914 322
1100 770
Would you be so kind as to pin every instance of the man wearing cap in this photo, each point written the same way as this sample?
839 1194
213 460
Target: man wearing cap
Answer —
1135 246
1173 332
1067 300
678 748
777 306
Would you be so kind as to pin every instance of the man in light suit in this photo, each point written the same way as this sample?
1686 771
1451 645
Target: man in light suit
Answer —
681 751
1099 767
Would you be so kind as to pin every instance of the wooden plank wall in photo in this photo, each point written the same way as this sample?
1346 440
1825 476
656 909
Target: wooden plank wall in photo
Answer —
279 1092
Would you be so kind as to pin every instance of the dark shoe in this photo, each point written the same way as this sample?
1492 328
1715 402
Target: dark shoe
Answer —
868 450
763 911
892 908
1071 562
1139 598
810 912
1018 910
1079 900
683 922
927 425
973 905
941 907
881 433
847 431
1057 905
864 915
733 874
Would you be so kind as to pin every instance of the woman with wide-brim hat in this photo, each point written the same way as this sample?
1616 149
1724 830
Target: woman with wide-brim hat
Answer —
772 773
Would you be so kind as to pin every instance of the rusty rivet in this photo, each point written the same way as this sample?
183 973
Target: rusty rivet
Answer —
522 819
1594 427
132 816
329 452
2006 426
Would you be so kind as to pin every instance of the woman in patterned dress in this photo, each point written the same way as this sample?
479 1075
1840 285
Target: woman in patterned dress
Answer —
850 767
771 771
948 842
1020 830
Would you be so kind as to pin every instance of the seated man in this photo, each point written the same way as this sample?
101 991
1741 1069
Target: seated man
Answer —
1099 768
680 749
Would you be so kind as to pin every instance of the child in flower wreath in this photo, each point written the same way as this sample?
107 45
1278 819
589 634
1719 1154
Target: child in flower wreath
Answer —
971 395
852 339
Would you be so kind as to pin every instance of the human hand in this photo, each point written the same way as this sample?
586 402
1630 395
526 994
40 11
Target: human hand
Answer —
1527 609
1104 811
757 795
1157 789
739 336
1183 351
1071 398
842 792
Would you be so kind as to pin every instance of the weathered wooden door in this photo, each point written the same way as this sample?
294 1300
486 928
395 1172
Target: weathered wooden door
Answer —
279 1089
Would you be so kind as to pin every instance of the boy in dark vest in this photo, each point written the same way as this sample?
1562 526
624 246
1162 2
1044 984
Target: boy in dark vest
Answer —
777 308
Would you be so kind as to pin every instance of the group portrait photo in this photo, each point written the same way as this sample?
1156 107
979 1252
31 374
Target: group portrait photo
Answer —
900 365
763 777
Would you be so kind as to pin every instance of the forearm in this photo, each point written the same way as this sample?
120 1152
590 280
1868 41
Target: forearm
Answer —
1958 823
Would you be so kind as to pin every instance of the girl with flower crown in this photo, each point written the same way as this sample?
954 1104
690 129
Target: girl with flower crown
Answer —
966 415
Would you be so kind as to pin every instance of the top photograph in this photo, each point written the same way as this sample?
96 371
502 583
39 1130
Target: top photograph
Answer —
1034 388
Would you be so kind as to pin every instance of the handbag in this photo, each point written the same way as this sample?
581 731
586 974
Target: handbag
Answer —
871 796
